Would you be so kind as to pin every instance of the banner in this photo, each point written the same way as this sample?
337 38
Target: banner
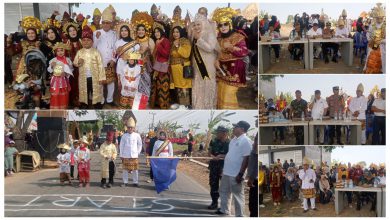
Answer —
164 172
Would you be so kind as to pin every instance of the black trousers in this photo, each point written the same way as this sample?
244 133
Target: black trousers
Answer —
111 173
335 129
215 168
379 133
71 171
299 137
151 173
334 46
253 200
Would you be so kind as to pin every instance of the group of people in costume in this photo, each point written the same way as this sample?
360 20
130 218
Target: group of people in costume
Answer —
370 111
148 61
368 33
308 182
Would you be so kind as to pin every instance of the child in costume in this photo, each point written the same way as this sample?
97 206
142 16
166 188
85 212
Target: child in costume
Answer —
63 160
82 156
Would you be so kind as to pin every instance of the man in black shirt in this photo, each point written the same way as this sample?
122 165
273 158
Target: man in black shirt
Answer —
217 150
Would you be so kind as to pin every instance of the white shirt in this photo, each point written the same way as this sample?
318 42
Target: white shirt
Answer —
360 105
341 32
130 80
312 32
306 177
318 107
105 44
379 104
130 146
121 63
239 147
382 180
168 148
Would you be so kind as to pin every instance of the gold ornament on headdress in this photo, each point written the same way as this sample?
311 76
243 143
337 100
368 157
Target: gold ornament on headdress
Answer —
179 23
378 11
61 45
143 18
68 24
107 15
132 55
119 26
130 122
51 23
223 15
97 12
158 25
30 22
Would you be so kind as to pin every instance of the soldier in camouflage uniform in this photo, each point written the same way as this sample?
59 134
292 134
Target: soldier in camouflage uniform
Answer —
218 149
298 107
336 104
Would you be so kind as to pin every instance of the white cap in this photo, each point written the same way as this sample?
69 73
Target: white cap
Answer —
315 21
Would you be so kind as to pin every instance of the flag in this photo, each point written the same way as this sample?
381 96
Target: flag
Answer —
164 172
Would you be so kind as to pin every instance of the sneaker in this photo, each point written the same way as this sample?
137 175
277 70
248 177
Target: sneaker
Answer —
135 184
148 181
262 206
109 185
103 186
124 185
219 212
304 211
213 206
315 209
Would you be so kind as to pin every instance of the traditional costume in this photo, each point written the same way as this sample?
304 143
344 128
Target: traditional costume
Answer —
231 75
308 178
82 156
129 78
163 148
376 35
147 45
179 60
130 147
105 44
91 72
59 83
47 45
75 46
204 86
108 155
63 160
359 104
161 76
276 179
94 26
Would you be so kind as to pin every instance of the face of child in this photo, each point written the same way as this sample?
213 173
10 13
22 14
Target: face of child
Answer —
87 43
176 34
72 32
60 52
131 62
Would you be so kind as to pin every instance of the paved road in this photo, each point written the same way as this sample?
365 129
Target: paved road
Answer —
40 194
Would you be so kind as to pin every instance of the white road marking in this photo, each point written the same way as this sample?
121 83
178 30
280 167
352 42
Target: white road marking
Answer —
102 204
27 204
66 200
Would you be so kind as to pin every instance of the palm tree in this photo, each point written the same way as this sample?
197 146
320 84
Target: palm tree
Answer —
213 122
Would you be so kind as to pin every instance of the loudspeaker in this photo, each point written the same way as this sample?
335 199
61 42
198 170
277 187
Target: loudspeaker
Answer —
51 132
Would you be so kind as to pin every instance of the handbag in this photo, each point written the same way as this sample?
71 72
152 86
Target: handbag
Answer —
188 72
160 67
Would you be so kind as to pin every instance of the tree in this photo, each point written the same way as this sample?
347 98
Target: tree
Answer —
213 122
21 126
194 126
111 117
327 149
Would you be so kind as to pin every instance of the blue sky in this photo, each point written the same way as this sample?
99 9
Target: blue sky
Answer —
124 10
309 83
333 10
354 154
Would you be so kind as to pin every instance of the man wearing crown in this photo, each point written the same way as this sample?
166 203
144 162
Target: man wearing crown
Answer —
308 177
104 41
129 149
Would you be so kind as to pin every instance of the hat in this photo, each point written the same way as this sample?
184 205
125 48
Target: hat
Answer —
97 12
69 24
107 15
143 18
59 45
336 88
66 16
306 160
158 25
11 142
317 92
382 165
343 166
132 55
76 141
130 122
360 87
378 11
221 129
344 13
51 23
151 133
242 124
340 22
63 146
31 22
80 17
223 15
111 8
84 140
315 22
21 77
110 136
87 32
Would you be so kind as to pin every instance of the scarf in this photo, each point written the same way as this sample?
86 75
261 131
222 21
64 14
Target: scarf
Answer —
62 59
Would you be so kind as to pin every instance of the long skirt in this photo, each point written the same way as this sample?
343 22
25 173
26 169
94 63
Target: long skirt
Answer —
276 194
130 164
374 62
162 90
227 96
309 193
59 93
83 169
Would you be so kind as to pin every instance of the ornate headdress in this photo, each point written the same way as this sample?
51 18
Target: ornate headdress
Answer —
158 25
87 33
30 22
344 13
224 15
68 24
176 13
97 12
61 45
306 160
378 11
132 55
107 14
51 23
143 18
130 122
340 22
154 11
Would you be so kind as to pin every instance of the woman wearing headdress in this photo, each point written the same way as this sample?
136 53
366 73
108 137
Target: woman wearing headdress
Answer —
230 64
179 60
204 47
31 27
161 75
143 23
52 36
73 39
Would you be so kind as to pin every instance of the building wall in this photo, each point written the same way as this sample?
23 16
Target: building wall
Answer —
268 88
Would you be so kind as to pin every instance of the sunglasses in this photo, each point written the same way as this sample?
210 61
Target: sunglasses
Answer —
223 24
105 22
